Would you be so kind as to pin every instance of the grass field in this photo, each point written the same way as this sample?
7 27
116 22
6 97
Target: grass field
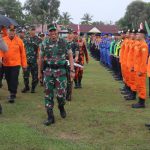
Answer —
98 118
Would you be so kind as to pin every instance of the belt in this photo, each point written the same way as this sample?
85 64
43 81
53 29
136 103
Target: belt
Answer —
55 66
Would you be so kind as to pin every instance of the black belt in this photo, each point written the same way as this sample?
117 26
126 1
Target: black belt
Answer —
55 66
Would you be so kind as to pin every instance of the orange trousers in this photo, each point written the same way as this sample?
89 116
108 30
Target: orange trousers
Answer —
132 80
141 85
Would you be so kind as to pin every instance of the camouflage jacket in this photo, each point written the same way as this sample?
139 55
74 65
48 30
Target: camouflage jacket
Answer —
75 47
55 53
32 47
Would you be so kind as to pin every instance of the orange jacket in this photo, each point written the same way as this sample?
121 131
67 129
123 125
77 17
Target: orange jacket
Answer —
130 57
122 51
141 56
16 55
125 53
148 67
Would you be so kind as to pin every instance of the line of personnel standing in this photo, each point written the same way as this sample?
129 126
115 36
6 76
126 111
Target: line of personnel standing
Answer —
127 55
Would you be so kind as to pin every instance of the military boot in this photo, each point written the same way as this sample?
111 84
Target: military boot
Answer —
79 84
147 125
25 89
127 91
11 98
140 104
76 84
33 90
0 109
50 120
62 111
1 84
131 96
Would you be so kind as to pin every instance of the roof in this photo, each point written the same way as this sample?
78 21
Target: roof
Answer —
102 28
94 30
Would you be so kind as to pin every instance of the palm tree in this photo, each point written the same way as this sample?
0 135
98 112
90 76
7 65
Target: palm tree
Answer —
64 19
87 18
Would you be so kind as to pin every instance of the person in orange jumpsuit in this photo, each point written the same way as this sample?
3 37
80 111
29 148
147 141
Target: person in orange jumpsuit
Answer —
12 60
130 66
140 67
79 71
123 60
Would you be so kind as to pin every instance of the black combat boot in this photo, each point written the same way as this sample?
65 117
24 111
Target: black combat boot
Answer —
0 109
26 89
147 125
79 84
76 84
1 84
11 98
50 120
62 111
127 91
132 96
33 90
124 88
140 104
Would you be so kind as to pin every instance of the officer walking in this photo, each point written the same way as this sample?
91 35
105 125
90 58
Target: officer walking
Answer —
12 60
32 51
54 51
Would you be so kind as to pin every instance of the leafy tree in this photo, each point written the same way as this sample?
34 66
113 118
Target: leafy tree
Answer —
137 12
64 19
12 9
43 11
86 19
98 23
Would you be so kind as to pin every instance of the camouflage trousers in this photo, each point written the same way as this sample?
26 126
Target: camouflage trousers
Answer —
58 84
33 69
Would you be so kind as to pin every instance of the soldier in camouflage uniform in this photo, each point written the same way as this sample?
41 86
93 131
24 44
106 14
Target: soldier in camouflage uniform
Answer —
73 41
32 49
53 52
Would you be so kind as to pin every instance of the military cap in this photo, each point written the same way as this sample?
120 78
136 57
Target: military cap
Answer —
98 34
52 27
134 31
32 28
117 34
123 32
70 30
110 34
75 32
81 34
42 34
21 30
12 28
141 31
129 31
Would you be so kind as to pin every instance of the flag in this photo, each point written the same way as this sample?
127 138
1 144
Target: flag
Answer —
147 28
141 25
78 29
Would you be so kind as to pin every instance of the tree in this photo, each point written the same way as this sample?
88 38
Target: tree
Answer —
137 12
86 19
12 9
43 11
64 19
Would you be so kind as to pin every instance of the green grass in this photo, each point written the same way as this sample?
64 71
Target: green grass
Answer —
98 119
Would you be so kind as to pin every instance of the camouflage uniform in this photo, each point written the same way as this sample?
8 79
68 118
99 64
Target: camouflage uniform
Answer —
54 55
32 46
75 47
75 50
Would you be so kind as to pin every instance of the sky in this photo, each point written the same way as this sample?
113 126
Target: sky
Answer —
101 10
